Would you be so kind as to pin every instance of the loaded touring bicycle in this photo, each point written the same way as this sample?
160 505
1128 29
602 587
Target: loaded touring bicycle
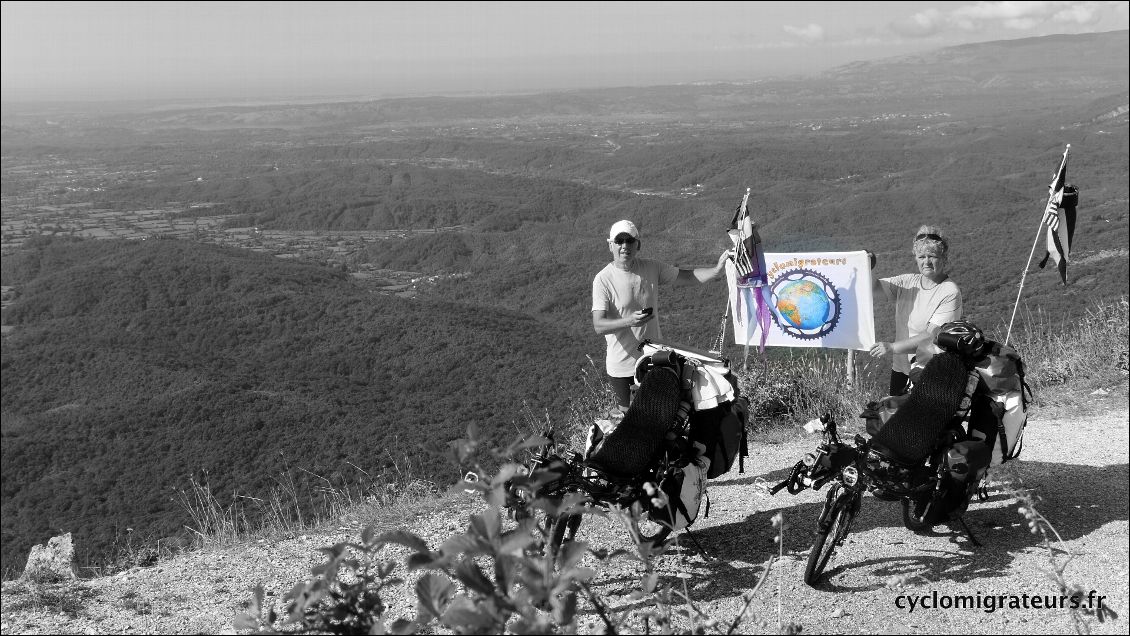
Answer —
930 451
685 425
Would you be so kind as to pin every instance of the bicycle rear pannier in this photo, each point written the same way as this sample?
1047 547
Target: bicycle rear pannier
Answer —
684 491
722 431
1005 399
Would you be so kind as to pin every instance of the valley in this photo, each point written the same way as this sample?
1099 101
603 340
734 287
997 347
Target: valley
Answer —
250 291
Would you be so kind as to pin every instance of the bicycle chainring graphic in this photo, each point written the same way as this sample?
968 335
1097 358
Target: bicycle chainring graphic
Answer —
829 323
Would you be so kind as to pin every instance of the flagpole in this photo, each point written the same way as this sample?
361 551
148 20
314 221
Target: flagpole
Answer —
720 341
1039 231
1023 276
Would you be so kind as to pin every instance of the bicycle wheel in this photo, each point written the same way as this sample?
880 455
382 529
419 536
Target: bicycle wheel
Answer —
922 514
839 519
651 531
562 530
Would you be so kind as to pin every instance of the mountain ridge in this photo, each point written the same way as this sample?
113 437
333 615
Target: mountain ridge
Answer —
977 62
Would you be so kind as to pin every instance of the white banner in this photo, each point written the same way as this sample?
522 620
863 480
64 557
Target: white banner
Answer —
817 299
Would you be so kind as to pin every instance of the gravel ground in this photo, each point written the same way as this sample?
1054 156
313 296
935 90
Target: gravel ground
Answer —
1077 466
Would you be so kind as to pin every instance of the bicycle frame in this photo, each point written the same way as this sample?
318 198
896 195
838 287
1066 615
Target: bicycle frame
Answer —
550 475
590 477
853 470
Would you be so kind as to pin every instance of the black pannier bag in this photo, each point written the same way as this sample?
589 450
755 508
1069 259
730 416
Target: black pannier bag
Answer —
721 430
683 492
1000 403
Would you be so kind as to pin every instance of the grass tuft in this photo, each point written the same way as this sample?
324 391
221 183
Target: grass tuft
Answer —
1089 352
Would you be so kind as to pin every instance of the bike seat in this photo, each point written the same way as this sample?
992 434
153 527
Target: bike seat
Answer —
911 434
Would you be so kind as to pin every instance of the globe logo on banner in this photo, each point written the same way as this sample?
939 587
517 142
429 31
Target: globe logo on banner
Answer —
806 304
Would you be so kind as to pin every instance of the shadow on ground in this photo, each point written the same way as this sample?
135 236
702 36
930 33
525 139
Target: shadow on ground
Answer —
1001 530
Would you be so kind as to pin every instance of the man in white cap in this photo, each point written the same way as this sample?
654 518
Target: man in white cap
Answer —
625 302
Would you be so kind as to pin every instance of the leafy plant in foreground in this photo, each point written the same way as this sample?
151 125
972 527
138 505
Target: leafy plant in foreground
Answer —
497 576
522 588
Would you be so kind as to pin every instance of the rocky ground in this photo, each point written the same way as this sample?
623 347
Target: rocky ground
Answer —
1075 464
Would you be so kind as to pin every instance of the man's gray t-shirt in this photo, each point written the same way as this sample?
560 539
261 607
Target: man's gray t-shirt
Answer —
619 293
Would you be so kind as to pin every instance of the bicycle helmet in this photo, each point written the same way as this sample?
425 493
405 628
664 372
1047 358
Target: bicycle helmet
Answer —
961 337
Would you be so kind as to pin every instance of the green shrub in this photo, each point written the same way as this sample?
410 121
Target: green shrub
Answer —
793 390
1091 350
495 577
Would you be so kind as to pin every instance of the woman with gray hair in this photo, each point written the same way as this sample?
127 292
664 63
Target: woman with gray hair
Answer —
923 303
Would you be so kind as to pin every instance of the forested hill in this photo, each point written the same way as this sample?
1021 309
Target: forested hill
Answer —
134 366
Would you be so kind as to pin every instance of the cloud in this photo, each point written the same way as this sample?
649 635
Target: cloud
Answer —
1008 15
809 33
1087 13
923 24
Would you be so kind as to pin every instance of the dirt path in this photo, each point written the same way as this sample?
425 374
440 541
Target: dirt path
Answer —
1078 468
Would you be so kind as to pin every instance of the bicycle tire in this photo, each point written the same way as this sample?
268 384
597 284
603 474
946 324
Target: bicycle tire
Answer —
651 531
562 530
795 485
920 516
839 520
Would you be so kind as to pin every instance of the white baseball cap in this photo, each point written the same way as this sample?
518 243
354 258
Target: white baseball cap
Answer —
623 227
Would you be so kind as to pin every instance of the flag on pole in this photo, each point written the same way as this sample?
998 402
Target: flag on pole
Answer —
1055 195
1061 230
747 240
749 268
1058 223
1059 217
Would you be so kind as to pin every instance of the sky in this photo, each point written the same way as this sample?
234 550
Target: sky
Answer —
92 51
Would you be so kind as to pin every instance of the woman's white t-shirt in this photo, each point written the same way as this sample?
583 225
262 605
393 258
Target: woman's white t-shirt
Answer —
917 308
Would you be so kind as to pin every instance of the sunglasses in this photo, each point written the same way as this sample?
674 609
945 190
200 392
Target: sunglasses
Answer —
621 240
932 237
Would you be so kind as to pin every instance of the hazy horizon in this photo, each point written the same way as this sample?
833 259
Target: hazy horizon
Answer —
251 51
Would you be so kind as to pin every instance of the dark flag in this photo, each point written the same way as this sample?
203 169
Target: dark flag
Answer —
749 261
1058 223
749 258
1059 217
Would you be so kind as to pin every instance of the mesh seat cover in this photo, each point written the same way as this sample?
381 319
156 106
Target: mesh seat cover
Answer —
636 443
912 432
